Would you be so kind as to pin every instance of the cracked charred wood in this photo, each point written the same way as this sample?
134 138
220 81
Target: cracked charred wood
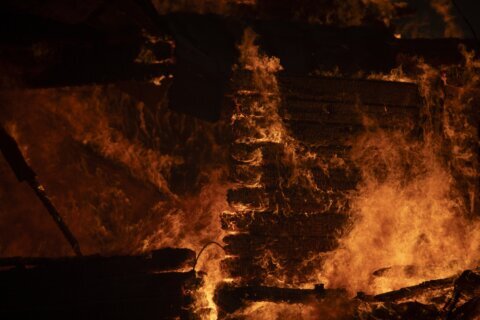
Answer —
331 178
427 287
466 291
259 268
230 298
296 199
270 223
428 300
404 311
468 311
450 298
120 287
49 53
369 92
288 245
96 49
158 260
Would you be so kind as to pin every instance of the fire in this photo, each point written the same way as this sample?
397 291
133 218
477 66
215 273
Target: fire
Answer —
445 8
407 218
411 221
277 311
115 167
69 135
138 205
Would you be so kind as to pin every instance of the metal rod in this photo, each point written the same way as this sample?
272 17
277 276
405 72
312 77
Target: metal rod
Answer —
24 172
42 195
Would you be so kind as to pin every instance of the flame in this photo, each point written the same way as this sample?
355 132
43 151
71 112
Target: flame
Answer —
409 214
396 75
109 162
111 174
406 215
332 308
276 311
444 8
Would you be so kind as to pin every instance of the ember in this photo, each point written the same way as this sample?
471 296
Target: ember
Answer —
240 159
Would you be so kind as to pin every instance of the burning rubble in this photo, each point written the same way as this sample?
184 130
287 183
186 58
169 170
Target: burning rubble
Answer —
240 164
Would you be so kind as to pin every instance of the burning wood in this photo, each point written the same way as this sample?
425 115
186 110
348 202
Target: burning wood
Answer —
449 298
342 149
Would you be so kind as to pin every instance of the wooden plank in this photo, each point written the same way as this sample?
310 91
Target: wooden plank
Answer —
353 91
294 199
157 260
272 224
282 245
271 176
342 113
258 269
231 298
128 287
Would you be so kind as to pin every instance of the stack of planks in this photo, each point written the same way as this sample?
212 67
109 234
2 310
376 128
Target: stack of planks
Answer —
281 225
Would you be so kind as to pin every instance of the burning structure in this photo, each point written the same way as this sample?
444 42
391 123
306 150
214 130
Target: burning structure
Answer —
239 159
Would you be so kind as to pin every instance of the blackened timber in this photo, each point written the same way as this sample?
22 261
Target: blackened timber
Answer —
300 199
255 153
322 135
451 298
121 287
271 224
158 260
50 53
435 52
305 48
270 269
331 178
230 298
348 113
417 290
284 245
248 154
354 91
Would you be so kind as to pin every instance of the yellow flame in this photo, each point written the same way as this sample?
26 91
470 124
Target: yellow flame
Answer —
409 216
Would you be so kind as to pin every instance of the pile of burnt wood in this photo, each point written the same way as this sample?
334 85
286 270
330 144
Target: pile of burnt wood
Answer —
450 298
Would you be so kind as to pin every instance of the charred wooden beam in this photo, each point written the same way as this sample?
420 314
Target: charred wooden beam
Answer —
293 246
230 298
120 287
270 223
427 287
353 91
158 260
296 200
435 299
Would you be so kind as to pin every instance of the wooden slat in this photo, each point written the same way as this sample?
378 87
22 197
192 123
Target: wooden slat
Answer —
272 224
284 245
367 92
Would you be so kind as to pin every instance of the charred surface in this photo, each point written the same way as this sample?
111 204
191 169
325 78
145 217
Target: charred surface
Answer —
95 287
